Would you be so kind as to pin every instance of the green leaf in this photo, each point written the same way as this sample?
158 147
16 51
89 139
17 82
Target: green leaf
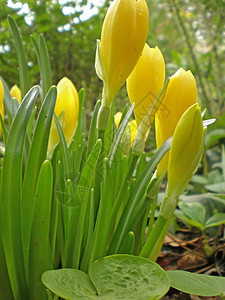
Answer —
70 284
128 277
73 244
7 101
136 201
117 277
36 157
216 187
11 196
45 68
194 211
119 134
196 284
93 132
22 61
65 150
39 254
215 220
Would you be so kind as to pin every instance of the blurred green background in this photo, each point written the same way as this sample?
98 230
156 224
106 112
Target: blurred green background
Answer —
190 34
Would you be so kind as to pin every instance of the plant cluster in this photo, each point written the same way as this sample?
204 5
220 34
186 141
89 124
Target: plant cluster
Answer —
78 207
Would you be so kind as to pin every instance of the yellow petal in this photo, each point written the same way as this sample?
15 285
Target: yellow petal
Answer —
66 109
117 118
146 81
133 130
1 103
181 94
186 150
123 36
16 92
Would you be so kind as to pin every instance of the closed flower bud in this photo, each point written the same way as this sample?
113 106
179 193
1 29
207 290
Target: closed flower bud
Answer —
180 95
133 130
66 109
186 150
123 36
117 118
146 81
1 104
16 92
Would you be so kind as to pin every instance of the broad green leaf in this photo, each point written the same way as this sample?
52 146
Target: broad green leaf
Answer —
196 284
194 211
216 187
70 284
128 277
117 277
39 251
215 220
179 214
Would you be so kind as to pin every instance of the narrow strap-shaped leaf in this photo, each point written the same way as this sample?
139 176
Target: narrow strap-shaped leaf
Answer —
4 131
80 122
73 246
65 151
45 68
126 221
11 196
119 135
36 157
102 224
7 101
5 287
109 132
36 48
22 61
39 254
15 105
93 132
90 224
66 205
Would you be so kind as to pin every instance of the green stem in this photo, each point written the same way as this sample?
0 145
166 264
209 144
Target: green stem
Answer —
155 240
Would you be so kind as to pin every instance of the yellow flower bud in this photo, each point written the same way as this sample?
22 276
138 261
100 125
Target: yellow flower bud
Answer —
124 33
1 103
133 130
16 92
66 109
186 150
181 93
117 118
146 81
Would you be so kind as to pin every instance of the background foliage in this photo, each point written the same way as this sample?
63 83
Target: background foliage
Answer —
189 33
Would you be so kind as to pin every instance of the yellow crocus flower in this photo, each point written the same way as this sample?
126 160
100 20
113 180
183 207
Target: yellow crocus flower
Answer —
16 92
146 81
1 103
124 33
117 118
181 94
133 130
66 109
186 150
